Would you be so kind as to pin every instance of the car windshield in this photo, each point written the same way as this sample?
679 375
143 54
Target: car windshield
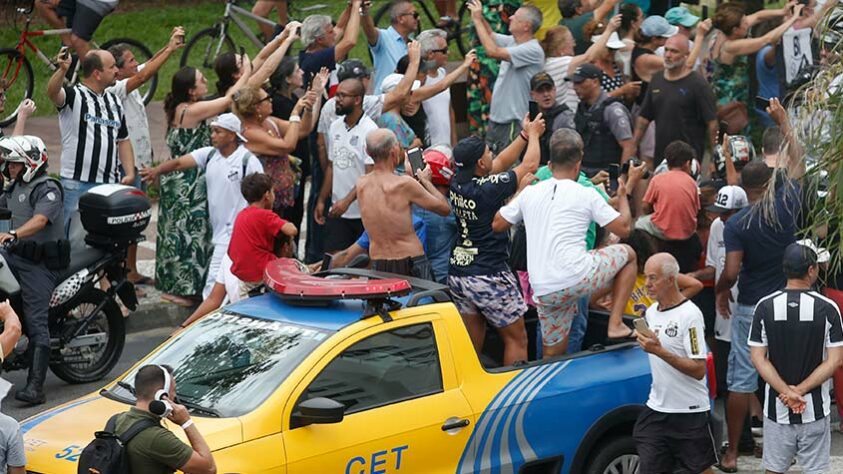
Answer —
227 364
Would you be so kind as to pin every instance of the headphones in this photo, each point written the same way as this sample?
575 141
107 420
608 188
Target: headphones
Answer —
160 405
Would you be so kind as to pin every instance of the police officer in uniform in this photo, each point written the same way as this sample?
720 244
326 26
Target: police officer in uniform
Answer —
35 247
556 116
603 122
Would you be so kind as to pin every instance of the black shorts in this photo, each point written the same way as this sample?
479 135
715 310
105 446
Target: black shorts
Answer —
674 442
341 233
417 267
79 18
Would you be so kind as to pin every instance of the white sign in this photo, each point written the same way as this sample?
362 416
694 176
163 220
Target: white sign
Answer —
796 46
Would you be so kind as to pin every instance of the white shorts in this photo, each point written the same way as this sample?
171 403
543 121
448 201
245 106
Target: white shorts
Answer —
226 278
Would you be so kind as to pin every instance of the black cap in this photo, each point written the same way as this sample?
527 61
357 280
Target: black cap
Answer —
466 155
585 71
797 259
541 79
352 69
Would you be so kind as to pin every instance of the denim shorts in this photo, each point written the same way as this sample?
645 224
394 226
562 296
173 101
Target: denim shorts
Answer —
741 376
73 190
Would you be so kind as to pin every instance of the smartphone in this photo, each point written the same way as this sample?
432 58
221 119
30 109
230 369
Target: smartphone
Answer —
64 53
705 12
761 103
614 172
326 262
534 110
416 160
642 327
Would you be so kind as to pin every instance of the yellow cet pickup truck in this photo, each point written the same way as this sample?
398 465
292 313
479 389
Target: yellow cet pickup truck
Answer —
356 372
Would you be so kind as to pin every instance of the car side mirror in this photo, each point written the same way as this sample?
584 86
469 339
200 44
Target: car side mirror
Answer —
318 411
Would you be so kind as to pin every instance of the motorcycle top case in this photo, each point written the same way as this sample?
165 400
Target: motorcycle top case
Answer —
114 212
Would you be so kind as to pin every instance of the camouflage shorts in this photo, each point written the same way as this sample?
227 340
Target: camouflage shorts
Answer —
496 297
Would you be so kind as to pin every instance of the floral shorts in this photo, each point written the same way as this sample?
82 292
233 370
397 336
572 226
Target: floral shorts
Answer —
558 309
496 297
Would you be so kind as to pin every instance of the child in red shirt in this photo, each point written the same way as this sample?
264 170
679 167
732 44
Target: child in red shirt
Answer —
257 232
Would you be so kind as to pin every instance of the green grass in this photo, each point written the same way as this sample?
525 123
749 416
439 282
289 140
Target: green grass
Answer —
152 26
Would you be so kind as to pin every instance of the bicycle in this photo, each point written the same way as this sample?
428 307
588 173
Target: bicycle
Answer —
204 47
456 28
17 72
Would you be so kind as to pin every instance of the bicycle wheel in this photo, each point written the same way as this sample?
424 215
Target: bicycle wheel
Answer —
203 48
142 55
16 73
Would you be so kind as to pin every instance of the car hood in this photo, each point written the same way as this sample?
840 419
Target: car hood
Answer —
54 438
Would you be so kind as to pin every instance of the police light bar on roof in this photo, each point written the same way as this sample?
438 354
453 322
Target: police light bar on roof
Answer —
286 279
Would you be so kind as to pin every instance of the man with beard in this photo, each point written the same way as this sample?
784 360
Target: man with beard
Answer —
680 101
349 161
92 121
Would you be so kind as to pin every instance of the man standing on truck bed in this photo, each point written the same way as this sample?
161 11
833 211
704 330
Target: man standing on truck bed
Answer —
385 208
673 431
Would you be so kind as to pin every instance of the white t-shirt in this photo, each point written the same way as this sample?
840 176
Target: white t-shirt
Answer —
438 110
372 107
715 256
558 69
136 121
557 213
681 331
347 154
222 177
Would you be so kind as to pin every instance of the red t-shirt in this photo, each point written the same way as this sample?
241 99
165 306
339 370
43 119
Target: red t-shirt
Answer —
676 201
252 242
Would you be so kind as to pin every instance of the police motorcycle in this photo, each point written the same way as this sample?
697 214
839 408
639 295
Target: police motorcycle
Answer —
86 326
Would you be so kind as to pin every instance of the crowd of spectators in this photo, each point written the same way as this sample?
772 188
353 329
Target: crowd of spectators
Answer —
609 167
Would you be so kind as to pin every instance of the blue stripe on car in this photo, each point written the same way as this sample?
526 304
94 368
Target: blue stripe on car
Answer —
38 419
499 439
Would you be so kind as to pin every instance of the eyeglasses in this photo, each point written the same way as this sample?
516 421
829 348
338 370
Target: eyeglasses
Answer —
441 50
341 96
414 14
265 99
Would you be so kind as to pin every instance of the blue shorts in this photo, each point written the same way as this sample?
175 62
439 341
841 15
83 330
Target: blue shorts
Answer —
741 376
73 190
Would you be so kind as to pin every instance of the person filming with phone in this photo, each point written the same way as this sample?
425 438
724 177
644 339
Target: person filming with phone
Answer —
672 433
386 201
156 449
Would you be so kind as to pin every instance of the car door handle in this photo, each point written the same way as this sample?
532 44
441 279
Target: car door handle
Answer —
455 424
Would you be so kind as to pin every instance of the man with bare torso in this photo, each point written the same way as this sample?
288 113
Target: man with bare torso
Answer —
386 201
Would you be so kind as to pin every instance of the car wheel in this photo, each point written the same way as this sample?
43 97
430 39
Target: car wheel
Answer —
615 456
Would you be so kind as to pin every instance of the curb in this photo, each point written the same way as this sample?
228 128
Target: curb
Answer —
156 315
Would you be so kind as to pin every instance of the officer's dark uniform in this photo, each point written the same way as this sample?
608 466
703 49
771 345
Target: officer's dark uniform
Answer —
600 146
29 259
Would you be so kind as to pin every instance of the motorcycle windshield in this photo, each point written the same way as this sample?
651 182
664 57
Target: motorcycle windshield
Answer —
227 364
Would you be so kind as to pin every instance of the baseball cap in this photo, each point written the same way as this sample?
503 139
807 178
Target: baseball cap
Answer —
656 25
585 71
822 254
613 43
352 69
391 82
466 155
681 16
541 79
231 123
800 255
729 198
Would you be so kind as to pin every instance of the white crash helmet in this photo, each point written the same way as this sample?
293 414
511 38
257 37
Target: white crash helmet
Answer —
26 149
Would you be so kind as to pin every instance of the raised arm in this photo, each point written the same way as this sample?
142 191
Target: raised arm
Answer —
350 33
622 225
506 158
369 29
272 46
484 32
768 14
265 70
151 67
604 9
399 95
597 48
699 43
204 109
746 46
795 163
426 92
423 194
262 143
55 91
530 163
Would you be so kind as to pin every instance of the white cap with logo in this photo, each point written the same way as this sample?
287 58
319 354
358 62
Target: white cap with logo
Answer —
729 198
231 123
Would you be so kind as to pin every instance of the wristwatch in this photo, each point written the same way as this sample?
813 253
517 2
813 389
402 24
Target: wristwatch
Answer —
14 234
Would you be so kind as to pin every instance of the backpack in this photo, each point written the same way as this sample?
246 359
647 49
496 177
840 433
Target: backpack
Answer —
106 454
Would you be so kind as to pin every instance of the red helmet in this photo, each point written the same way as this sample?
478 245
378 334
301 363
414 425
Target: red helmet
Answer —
441 166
